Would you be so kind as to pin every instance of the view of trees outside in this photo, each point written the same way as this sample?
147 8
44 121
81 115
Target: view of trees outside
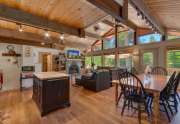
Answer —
97 60
173 59
109 42
88 61
126 38
148 58
149 38
125 61
109 60
170 37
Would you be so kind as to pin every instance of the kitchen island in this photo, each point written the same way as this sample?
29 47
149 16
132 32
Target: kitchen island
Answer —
51 91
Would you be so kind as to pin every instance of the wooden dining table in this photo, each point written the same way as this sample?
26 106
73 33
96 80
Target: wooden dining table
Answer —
153 84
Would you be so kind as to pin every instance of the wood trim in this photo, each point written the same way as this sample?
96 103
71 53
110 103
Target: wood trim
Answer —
19 16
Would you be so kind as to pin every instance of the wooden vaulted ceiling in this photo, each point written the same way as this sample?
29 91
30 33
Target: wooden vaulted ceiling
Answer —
75 13
81 14
166 11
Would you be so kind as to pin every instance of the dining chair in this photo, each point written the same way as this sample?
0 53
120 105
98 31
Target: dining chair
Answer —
167 94
133 92
174 94
119 72
159 71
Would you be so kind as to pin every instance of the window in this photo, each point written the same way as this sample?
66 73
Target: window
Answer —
126 38
125 61
173 35
173 59
109 60
149 38
97 61
88 61
109 42
148 58
97 46
170 37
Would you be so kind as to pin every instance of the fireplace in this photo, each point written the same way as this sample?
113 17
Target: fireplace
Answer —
73 66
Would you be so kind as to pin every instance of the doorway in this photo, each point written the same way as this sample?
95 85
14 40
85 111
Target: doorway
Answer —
46 61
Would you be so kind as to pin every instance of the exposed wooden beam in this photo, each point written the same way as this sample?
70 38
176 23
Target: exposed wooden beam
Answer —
144 9
26 36
19 16
92 35
22 42
107 22
114 9
109 6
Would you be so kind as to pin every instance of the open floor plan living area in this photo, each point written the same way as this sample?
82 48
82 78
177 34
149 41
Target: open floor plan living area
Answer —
89 62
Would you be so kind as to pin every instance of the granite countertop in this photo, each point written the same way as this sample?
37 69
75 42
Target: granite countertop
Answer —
50 75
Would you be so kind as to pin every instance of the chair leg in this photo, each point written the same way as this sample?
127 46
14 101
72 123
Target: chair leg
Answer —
119 98
176 104
124 106
166 111
178 96
169 107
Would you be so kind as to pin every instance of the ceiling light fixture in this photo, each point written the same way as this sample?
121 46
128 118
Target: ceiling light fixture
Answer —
46 34
20 28
62 37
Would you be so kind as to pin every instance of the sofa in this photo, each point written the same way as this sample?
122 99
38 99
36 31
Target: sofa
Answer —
98 81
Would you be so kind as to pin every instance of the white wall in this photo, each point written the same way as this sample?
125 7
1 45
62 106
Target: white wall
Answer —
33 59
11 72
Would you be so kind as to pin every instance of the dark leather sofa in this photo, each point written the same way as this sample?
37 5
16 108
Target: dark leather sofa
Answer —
100 80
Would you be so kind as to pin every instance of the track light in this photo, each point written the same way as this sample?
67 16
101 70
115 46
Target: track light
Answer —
46 34
62 37
20 28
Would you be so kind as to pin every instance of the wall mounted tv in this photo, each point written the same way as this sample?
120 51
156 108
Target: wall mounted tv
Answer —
73 53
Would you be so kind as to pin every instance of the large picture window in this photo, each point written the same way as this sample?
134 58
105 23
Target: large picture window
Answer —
173 59
109 42
125 61
88 61
109 60
126 38
148 58
149 38
97 60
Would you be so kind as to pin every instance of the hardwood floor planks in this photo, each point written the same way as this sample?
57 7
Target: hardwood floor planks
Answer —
87 107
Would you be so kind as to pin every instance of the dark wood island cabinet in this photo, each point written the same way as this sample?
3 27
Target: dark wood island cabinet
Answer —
51 91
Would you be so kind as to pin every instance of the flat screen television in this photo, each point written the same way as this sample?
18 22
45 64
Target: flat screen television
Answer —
73 53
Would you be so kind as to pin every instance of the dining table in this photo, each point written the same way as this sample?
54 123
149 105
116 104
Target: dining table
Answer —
153 84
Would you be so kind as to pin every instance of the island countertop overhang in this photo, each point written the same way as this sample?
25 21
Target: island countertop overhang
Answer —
50 75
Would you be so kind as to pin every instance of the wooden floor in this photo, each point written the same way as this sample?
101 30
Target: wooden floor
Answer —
86 108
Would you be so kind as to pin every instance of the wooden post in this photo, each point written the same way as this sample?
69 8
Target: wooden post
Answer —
116 44
135 37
